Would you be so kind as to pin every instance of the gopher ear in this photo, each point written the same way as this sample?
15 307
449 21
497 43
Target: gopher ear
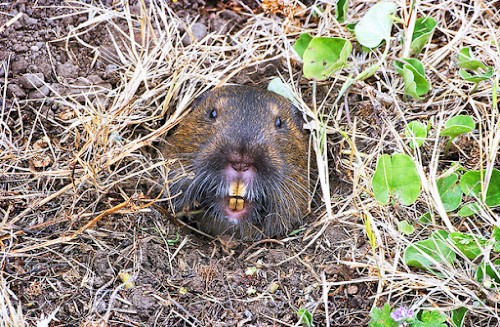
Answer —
298 118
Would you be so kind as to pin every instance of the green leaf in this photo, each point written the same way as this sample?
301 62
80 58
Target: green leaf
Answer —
405 227
340 10
424 27
496 247
458 125
351 27
469 209
416 132
305 317
424 254
496 233
396 175
382 317
450 192
276 85
471 184
301 44
486 269
477 77
458 316
467 60
324 56
376 24
470 245
413 73
431 319
425 219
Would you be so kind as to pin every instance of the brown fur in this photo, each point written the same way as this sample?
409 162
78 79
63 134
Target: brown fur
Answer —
245 127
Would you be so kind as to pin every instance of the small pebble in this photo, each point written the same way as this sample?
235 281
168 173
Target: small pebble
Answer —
32 80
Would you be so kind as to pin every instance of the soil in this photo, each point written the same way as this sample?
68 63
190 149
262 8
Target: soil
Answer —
137 269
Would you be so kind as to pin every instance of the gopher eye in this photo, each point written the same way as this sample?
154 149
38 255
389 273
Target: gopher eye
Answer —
278 122
212 114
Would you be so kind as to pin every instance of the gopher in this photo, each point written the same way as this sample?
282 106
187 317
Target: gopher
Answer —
241 157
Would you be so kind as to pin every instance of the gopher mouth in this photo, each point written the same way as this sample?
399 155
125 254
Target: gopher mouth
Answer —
236 206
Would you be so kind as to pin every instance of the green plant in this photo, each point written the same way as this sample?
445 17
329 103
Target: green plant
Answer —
305 317
424 27
397 175
413 73
405 227
322 56
416 132
340 10
276 85
382 317
456 126
301 44
458 317
386 317
467 63
376 25
473 183
450 192
442 247
427 253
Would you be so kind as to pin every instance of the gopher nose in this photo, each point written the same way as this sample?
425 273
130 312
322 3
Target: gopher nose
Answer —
239 162
240 166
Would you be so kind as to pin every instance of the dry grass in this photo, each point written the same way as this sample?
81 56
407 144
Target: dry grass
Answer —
98 164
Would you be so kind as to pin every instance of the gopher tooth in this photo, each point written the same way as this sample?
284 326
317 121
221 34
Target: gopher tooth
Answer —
236 204
240 203
232 203
237 188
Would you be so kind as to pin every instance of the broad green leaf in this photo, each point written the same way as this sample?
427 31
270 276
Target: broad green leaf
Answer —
450 192
396 175
458 317
276 85
476 78
470 245
305 317
471 184
416 132
413 74
458 125
469 209
424 254
376 24
431 319
324 56
301 44
382 179
424 27
340 10
467 60
405 227
382 317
